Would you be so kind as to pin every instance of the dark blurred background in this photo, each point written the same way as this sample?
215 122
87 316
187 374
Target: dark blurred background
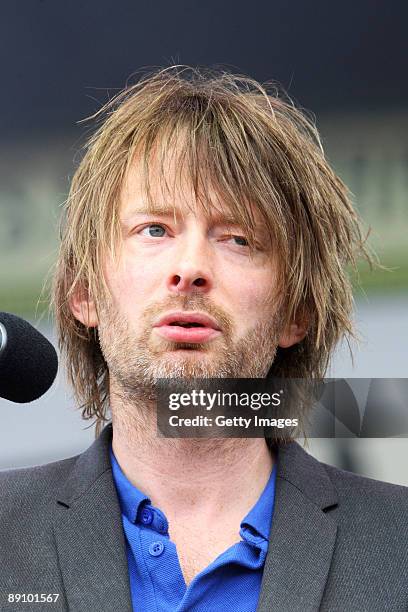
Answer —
345 62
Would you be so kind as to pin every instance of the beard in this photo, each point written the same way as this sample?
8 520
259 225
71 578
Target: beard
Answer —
136 360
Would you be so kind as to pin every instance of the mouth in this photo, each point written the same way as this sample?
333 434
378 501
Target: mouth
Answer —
186 324
187 327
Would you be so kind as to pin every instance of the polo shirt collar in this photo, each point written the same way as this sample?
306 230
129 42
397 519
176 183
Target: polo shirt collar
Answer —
130 498
258 520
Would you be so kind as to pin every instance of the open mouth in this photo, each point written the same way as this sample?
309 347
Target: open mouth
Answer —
185 324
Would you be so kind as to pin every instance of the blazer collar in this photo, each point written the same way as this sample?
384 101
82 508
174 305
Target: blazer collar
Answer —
302 536
91 545
87 469
89 535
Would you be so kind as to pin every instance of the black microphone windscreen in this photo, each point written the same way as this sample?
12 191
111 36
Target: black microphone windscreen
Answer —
28 361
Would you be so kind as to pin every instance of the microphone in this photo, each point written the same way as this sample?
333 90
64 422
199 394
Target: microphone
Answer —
28 361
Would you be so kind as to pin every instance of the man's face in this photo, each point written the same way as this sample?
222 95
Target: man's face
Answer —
192 265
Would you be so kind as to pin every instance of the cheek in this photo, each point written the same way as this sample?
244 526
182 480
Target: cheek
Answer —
256 298
131 286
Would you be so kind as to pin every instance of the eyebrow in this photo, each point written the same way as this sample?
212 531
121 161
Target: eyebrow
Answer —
166 211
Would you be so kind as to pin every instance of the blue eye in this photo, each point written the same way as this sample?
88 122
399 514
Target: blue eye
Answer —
154 230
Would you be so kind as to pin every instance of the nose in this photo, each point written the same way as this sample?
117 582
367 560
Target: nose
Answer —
187 283
190 272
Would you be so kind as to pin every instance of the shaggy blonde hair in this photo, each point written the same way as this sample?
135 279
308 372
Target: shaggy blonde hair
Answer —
253 147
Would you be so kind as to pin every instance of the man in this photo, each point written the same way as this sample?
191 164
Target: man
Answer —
205 236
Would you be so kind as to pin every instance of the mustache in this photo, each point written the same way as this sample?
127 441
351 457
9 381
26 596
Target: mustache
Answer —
190 303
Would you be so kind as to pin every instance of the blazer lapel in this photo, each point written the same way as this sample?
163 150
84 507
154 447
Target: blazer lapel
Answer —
89 536
302 536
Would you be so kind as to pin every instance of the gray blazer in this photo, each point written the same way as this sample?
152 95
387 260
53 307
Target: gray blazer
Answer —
338 541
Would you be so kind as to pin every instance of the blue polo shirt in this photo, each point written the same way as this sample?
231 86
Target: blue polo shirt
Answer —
231 582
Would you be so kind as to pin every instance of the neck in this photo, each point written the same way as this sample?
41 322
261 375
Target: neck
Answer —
181 475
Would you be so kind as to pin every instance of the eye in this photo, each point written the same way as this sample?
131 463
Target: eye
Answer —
155 230
241 240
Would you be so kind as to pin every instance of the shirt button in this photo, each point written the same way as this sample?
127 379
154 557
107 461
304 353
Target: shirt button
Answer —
156 549
146 516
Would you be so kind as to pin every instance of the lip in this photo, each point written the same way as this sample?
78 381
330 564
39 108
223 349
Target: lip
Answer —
176 333
187 317
181 334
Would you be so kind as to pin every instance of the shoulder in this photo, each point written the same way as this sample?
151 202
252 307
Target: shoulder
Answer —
356 501
355 488
38 489
372 511
33 486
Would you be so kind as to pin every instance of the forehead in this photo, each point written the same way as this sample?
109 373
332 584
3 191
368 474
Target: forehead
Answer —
168 190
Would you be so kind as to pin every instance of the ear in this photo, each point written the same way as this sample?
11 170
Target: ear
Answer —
83 308
292 334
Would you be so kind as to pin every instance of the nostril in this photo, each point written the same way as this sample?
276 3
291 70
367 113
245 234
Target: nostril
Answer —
199 282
